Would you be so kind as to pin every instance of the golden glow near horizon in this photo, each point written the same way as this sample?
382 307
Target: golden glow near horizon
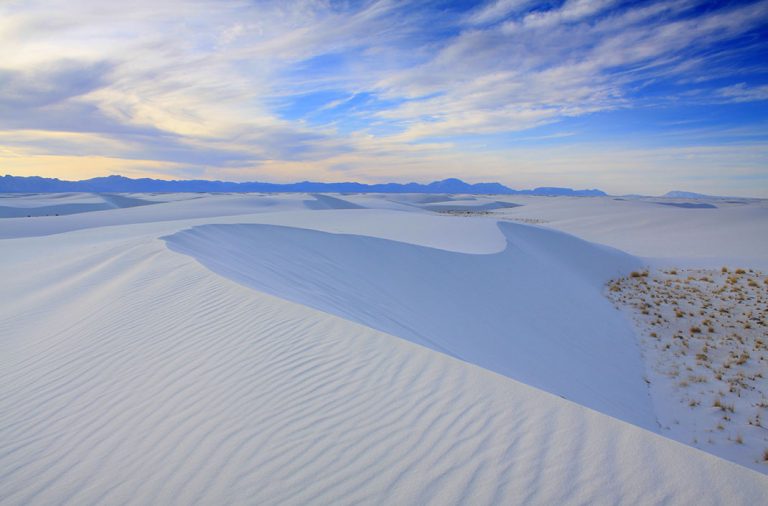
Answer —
629 99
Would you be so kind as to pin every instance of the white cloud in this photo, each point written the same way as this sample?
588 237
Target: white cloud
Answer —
742 93
180 79
496 10
539 70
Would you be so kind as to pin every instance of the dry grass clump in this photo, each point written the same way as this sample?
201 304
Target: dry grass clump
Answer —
718 403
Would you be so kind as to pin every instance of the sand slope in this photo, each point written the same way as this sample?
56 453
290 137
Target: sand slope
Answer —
60 204
531 312
132 374
731 233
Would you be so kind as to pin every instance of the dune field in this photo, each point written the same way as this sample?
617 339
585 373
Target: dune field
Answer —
380 349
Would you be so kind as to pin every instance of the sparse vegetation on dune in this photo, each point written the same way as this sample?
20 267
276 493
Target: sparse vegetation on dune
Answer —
464 213
714 325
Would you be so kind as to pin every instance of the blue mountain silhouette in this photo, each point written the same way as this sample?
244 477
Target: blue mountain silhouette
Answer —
120 184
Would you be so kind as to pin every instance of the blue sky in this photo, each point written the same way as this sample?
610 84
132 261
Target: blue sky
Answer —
630 97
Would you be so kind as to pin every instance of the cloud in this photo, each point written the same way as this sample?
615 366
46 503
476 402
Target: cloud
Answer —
516 74
495 11
60 81
205 85
742 93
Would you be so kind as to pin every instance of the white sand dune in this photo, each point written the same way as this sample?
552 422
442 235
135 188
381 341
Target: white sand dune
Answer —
177 209
60 204
469 205
427 198
733 233
328 202
132 374
492 310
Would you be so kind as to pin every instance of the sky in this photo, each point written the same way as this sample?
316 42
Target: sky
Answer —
629 97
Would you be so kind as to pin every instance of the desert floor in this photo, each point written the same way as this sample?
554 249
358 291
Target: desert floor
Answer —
401 349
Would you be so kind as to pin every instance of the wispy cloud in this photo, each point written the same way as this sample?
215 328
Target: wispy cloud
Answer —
523 72
742 93
381 89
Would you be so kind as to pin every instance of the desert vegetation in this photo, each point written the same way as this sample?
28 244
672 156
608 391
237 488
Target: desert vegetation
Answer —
703 335
464 212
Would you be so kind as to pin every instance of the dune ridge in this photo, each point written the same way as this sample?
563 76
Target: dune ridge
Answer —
492 310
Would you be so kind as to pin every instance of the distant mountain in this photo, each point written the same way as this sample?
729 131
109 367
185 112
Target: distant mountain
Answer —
691 195
554 191
677 194
120 184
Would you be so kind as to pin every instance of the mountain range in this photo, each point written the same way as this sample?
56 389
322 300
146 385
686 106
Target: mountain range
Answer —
120 184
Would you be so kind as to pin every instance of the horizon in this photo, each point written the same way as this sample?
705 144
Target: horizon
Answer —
425 182
578 191
629 97
118 182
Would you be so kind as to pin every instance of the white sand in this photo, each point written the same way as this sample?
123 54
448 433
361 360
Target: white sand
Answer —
493 310
130 373
735 234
